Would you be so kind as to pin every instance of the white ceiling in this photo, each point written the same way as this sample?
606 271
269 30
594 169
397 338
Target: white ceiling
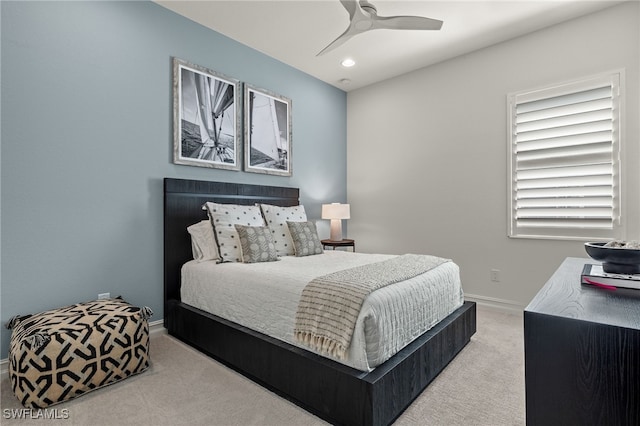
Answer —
294 31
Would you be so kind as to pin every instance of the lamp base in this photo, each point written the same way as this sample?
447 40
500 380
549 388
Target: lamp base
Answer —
336 230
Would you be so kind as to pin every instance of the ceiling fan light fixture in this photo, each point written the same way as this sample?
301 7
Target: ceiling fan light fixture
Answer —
348 62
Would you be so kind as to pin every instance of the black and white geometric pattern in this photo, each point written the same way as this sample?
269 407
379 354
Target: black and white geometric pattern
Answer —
63 353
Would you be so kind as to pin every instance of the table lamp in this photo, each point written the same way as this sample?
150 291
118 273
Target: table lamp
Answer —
336 212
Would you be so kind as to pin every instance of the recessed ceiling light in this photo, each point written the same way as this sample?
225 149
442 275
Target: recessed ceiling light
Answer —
345 81
348 62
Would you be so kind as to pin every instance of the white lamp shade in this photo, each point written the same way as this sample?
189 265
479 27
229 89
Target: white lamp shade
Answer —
336 211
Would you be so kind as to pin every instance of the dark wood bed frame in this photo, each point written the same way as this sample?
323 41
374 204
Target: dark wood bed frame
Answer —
330 390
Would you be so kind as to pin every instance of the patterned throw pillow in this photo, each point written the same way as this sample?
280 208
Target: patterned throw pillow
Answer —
277 218
224 217
203 242
305 238
257 244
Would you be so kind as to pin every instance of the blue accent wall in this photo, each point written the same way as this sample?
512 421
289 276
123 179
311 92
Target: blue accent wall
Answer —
86 109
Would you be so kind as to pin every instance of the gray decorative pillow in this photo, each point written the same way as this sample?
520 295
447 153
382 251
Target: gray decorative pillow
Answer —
257 244
277 218
305 238
224 217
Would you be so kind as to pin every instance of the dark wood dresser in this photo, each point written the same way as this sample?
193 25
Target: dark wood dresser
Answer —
582 352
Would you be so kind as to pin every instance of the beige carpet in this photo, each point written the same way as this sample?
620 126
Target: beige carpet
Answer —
483 385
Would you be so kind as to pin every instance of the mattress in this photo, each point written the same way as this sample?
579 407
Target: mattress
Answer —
264 297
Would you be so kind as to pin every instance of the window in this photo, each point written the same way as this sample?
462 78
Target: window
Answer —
564 150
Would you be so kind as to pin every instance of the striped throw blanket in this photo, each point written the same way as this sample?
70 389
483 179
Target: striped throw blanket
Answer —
330 304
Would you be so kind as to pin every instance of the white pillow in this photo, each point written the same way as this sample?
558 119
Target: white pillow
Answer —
224 217
203 242
277 218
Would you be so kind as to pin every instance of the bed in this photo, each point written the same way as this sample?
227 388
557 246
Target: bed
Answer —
337 393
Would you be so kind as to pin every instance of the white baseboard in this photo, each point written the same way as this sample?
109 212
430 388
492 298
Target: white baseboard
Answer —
4 368
156 328
504 305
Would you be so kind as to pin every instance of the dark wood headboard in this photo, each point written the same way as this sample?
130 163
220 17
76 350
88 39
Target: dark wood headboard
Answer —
183 200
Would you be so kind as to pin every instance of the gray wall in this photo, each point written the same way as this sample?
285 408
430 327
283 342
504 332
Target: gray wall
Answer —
87 140
435 143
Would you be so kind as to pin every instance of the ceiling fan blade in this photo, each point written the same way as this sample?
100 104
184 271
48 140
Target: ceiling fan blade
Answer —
405 23
339 41
351 5
356 15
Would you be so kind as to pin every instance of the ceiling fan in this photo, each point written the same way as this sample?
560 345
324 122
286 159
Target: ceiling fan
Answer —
364 17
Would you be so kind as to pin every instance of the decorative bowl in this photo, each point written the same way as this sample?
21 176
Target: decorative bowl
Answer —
615 260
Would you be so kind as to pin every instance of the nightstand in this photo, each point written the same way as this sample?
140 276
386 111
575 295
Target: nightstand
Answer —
342 243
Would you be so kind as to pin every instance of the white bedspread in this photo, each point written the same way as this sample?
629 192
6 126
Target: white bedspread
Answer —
264 297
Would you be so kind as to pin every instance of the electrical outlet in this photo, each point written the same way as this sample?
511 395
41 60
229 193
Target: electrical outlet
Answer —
104 295
495 275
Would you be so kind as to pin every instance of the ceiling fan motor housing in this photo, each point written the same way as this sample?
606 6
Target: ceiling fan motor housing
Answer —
368 7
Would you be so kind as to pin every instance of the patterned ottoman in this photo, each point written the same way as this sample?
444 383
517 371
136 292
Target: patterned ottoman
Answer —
60 354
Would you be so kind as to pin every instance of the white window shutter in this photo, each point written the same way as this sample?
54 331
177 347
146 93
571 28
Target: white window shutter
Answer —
564 160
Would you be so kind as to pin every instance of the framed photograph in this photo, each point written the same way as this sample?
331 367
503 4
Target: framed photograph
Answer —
267 127
206 117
